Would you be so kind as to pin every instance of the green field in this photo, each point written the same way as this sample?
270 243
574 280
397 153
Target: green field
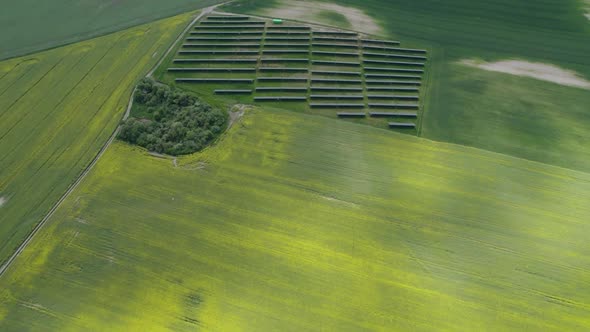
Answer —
303 223
30 26
334 19
57 109
297 222
523 117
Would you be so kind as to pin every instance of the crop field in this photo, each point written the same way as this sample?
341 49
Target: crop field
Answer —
57 109
295 222
519 116
29 26
529 118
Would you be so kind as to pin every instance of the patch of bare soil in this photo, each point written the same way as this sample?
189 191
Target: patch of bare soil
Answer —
82 221
194 166
334 199
3 200
236 112
537 70
310 11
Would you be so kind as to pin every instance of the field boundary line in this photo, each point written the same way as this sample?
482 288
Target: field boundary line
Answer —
428 92
100 153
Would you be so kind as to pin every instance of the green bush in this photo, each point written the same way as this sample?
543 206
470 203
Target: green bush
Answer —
171 121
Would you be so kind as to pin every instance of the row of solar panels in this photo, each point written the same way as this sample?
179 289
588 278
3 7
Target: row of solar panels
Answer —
329 39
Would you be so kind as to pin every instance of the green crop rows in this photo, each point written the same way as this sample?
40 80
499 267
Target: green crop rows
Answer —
296 222
30 26
57 109
299 222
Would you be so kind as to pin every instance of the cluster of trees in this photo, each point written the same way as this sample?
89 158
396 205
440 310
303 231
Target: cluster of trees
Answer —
172 121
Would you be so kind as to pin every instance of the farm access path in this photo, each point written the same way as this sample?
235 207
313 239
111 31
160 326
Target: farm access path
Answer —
74 185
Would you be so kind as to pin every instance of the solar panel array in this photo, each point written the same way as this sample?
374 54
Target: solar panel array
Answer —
353 75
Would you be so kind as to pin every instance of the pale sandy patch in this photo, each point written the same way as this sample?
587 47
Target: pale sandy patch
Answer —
334 199
3 200
587 9
309 11
82 221
537 70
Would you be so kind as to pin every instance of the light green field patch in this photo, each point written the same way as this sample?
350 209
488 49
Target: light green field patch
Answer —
57 109
333 18
300 223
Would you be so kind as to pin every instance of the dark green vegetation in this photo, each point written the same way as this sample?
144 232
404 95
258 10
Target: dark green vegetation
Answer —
57 109
295 222
30 25
537 120
171 121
